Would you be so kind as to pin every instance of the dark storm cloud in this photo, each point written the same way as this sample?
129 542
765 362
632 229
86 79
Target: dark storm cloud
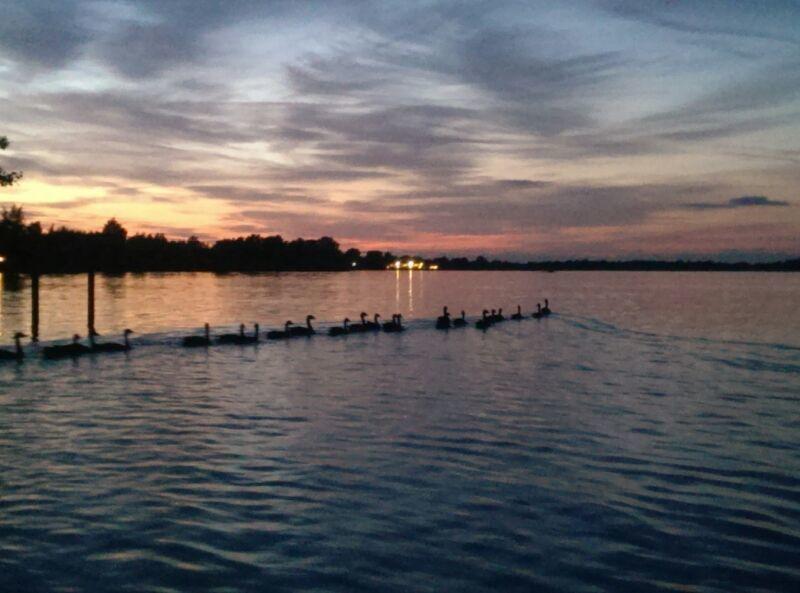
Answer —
540 94
140 50
42 35
715 18
743 202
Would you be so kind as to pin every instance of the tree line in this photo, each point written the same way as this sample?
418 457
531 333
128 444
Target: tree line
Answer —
28 248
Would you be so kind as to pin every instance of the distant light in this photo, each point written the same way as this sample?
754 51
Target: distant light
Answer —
420 265
433 267
410 264
397 264
354 264
2 259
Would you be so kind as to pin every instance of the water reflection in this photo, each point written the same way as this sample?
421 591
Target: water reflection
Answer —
705 305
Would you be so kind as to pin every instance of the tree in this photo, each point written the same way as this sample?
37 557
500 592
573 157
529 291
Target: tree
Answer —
115 230
7 177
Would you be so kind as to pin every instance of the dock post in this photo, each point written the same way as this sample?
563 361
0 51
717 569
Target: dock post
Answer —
90 311
34 307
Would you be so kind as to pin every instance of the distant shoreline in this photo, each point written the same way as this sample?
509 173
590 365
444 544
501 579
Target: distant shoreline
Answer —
30 249
783 267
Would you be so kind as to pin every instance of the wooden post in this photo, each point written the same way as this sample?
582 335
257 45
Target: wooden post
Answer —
35 307
90 311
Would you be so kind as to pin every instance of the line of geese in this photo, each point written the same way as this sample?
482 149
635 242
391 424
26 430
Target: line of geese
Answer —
290 330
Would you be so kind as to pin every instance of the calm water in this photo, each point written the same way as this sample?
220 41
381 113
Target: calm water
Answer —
645 438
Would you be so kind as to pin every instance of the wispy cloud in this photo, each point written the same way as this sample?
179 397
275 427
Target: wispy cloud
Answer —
743 202
438 121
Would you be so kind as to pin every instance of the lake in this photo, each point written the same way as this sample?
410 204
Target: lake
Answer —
645 437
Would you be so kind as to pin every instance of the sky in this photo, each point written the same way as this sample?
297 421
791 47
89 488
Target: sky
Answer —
519 129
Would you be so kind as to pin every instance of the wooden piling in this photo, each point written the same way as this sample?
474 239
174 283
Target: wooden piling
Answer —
90 310
35 307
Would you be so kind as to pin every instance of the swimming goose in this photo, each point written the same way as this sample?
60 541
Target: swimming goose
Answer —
303 331
485 322
373 325
17 353
232 338
443 321
499 317
280 335
198 341
111 346
538 314
68 350
460 321
240 338
340 331
360 327
395 325
546 308
518 315
251 339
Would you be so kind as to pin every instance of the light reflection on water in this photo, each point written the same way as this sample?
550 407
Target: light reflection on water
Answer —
729 306
621 445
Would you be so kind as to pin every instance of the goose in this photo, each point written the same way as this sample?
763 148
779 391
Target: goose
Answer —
251 339
340 331
241 338
65 350
198 341
111 346
485 322
499 317
460 321
280 335
373 325
17 353
538 314
546 308
518 315
303 331
232 338
360 327
443 321
395 325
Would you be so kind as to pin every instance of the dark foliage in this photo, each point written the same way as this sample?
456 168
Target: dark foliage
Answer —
7 177
27 248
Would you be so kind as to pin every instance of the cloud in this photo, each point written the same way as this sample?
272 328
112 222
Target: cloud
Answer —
445 120
42 35
743 202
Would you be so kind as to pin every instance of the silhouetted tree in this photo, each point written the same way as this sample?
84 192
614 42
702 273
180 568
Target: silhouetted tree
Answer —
7 177
28 248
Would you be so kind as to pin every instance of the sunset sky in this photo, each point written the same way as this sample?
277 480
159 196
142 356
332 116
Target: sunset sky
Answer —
527 129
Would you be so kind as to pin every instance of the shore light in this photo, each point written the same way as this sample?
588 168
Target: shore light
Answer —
397 264
2 259
410 264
